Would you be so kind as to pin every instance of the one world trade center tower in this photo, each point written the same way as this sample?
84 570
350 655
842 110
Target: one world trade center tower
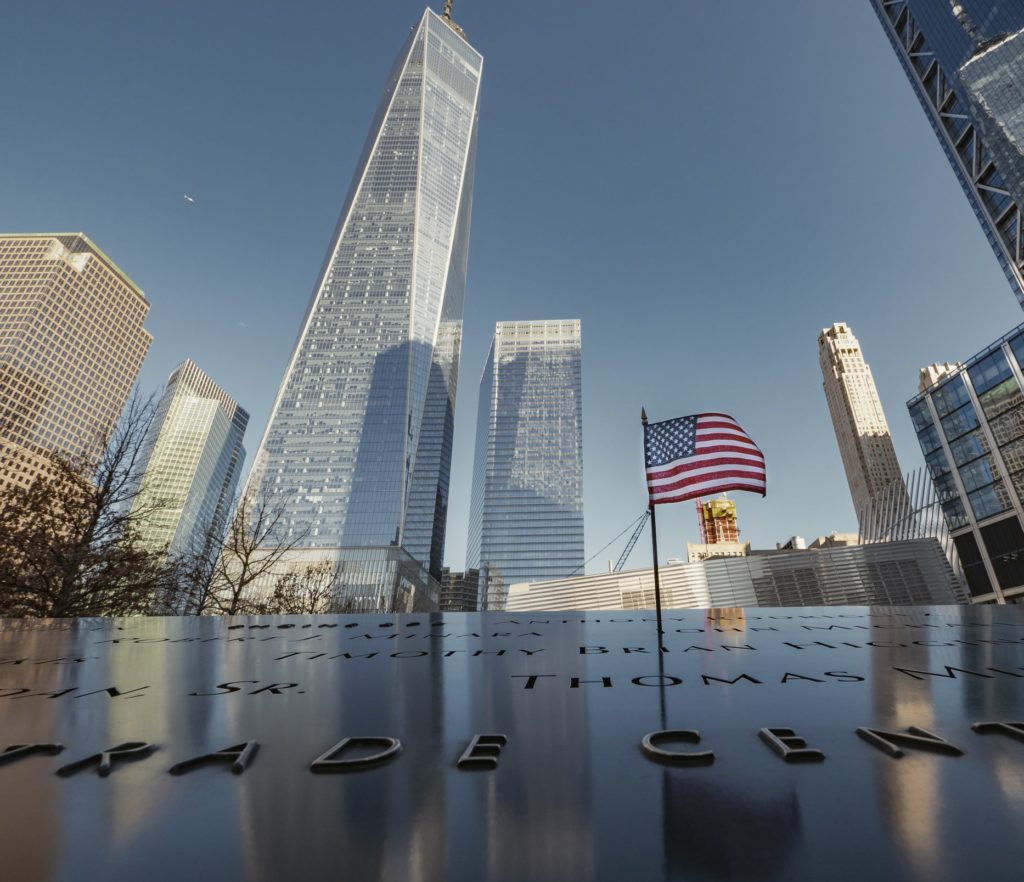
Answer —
357 451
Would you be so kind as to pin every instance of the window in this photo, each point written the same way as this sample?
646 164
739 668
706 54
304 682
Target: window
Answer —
949 396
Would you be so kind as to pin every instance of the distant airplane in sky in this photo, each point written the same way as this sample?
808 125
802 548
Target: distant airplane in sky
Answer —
189 199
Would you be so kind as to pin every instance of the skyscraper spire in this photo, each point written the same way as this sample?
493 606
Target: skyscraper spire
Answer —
357 452
447 16
964 19
862 432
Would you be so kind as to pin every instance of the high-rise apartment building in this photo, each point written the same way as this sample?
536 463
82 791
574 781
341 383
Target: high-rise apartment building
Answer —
459 591
526 508
865 445
71 345
719 531
191 462
358 446
970 425
965 60
717 520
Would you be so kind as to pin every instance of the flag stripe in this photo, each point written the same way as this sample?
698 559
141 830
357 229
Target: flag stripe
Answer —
700 454
716 449
702 462
748 449
751 472
683 495
737 437
708 487
706 475
719 424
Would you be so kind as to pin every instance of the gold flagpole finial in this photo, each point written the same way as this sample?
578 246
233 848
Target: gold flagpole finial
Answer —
643 415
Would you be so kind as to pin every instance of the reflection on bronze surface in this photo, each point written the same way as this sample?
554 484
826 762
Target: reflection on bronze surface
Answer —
715 832
732 615
30 829
909 790
572 795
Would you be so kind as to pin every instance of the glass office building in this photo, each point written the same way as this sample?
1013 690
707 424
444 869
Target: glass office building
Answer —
965 59
970 425
526 509
358 446
192 459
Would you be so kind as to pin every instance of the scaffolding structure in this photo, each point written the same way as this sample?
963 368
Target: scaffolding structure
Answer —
717 521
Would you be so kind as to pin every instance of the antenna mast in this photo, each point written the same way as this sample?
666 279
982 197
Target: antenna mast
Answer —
961 16
447 16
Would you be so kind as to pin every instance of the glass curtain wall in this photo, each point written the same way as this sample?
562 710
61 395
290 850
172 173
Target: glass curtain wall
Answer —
526 517
358 448
971 431
965 61
191 462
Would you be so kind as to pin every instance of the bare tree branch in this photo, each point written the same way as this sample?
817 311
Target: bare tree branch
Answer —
305 591
71 542
219 576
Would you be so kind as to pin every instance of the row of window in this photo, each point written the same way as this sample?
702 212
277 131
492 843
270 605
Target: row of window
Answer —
1002 405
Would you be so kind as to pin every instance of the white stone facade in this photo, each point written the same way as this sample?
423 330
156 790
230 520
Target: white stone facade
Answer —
865 444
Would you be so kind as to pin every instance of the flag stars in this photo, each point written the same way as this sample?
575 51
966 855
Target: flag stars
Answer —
671 439
700 454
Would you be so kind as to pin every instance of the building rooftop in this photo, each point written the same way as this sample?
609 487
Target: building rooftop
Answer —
92 246
969 362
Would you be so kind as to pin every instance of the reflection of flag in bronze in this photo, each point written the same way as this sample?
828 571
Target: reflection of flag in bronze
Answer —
697 455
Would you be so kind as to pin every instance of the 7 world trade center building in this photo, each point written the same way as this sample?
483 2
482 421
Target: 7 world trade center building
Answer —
526 509
357 452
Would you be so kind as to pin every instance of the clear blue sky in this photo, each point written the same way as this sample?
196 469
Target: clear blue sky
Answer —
706 185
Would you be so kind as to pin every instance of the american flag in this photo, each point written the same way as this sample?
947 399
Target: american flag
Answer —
697 455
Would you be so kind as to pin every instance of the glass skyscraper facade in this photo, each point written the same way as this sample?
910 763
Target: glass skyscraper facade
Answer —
965 59
970 425
526 510
191 462
358 447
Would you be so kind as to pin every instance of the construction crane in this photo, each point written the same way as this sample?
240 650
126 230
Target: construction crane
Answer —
621 562
638 524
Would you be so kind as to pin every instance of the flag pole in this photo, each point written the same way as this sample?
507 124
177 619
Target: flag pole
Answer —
654 540
657 584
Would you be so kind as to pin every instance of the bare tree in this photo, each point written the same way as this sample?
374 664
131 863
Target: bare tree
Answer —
221 575
71 542
305 591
